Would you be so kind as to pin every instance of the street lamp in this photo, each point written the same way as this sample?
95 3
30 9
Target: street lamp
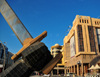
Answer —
69 28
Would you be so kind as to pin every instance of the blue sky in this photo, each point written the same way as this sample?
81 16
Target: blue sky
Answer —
54 16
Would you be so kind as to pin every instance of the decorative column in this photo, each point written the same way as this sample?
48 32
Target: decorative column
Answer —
52 73
57 71
77 70
82 69
65 70
71 68
74 69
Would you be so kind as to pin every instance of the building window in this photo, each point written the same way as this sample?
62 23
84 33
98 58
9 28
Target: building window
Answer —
80 38
98 37
97 22
91 37
57 51
61 71
61 66
52 51
55 72
87 21
80 20
58 48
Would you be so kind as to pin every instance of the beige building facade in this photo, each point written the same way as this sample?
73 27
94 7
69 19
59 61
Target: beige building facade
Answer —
82 45
59 68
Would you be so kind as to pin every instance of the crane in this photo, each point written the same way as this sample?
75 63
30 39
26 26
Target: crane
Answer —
35 55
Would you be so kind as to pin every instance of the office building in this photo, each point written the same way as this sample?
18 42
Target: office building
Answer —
7 57
59 69
82 45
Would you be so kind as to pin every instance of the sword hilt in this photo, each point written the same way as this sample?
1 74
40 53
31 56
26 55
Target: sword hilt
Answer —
28 42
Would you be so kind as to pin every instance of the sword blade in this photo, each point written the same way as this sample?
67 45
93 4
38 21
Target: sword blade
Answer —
14 22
